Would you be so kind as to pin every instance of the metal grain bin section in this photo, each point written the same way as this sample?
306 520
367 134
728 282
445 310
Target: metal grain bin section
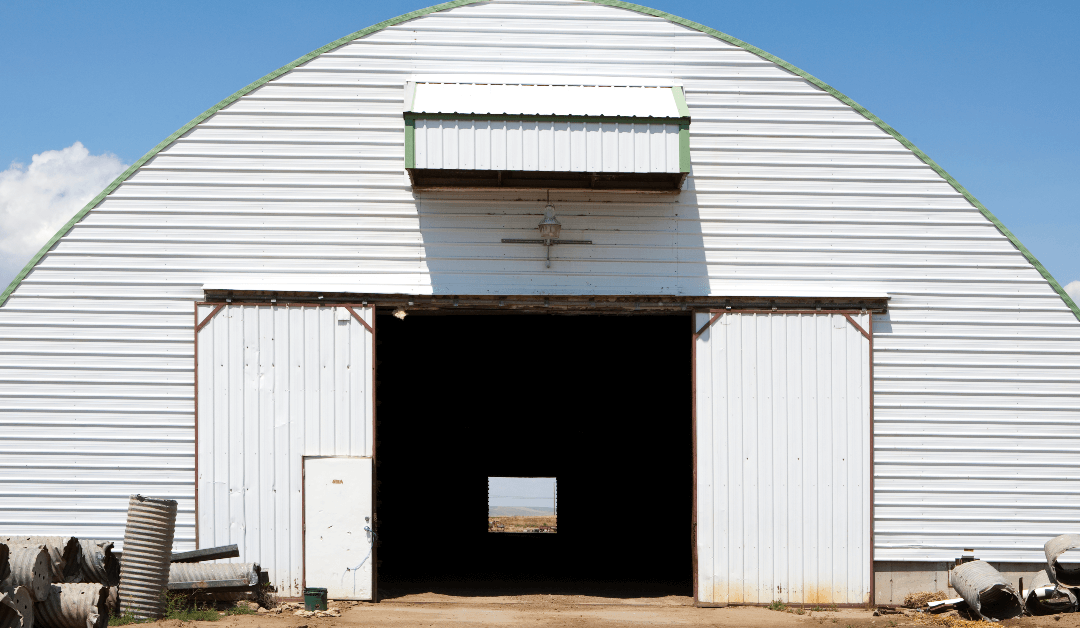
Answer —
65 554
986 591
98 563
16 607
1046 598
144 567
74 605
30 568
1053 549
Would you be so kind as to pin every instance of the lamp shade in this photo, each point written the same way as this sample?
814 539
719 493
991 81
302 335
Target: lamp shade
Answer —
549 226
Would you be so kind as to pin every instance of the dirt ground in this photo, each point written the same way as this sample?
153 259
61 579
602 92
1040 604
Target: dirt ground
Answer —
520 524
520 611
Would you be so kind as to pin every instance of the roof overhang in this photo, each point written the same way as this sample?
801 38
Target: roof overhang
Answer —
316 289
546 132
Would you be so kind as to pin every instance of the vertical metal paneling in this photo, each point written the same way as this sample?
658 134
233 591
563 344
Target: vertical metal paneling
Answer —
547 146
302 181
276 384
783 459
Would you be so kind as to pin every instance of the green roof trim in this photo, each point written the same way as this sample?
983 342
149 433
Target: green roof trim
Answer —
611 3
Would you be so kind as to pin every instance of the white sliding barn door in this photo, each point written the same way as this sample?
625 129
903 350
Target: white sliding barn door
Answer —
275 384
783 458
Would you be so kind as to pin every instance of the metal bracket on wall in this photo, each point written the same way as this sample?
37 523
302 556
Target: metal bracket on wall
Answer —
209 316
857 326
717 314
709 324
357 317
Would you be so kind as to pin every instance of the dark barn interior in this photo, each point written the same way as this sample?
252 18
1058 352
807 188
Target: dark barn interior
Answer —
600 402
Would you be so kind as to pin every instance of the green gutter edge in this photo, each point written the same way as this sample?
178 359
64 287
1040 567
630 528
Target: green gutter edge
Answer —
611 3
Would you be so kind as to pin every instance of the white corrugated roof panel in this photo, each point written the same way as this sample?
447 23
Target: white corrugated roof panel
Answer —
536 99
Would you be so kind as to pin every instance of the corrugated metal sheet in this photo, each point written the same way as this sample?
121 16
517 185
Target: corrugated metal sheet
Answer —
783 459
977 366
610 98
547 146
276 384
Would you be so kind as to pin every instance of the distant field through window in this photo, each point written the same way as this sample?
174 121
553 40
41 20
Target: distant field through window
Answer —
523 505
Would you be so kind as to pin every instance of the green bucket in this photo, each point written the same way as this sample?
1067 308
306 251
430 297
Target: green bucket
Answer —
315 599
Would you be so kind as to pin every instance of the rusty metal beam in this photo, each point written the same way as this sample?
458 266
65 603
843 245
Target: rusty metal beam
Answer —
206 320
357 317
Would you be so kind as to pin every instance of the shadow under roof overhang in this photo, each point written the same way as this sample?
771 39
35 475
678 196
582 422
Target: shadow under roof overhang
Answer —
543 133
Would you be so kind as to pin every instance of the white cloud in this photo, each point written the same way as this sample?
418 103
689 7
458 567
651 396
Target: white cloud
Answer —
36 200
1073 289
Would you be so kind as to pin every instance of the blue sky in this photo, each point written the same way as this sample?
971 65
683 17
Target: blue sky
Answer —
988 89
522 492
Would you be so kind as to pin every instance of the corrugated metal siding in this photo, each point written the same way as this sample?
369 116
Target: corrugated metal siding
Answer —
977 363
544 99
276 384
547 146
783 459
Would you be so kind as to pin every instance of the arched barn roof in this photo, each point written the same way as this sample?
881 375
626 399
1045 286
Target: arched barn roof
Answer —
612 3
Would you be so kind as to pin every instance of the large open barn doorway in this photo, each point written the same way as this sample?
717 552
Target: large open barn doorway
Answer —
600 403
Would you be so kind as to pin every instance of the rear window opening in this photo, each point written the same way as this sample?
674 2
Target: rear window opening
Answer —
523 505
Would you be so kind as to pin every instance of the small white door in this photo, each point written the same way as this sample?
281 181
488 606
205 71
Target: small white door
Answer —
338 529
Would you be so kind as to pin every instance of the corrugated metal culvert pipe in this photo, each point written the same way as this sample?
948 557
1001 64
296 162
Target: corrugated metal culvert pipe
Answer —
214 581
144 564
1046 598
30 568
72 605
18 601
986 591
1053 549
98 563
65 554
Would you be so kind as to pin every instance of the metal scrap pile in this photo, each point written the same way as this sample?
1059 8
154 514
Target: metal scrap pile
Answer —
56 582
66 582
986 593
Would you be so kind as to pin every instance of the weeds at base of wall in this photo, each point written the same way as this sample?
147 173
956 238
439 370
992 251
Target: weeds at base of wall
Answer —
181 607
777 605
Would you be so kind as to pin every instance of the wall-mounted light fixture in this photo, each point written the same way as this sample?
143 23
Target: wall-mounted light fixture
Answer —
550 228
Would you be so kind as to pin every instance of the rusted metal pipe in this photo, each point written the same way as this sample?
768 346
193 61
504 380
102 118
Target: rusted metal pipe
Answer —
98 563
144 568
74 605
16 608
30 568
1044 597
65 554
1054 548
986 591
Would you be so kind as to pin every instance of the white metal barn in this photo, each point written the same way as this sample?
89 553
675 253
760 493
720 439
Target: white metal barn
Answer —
690 280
